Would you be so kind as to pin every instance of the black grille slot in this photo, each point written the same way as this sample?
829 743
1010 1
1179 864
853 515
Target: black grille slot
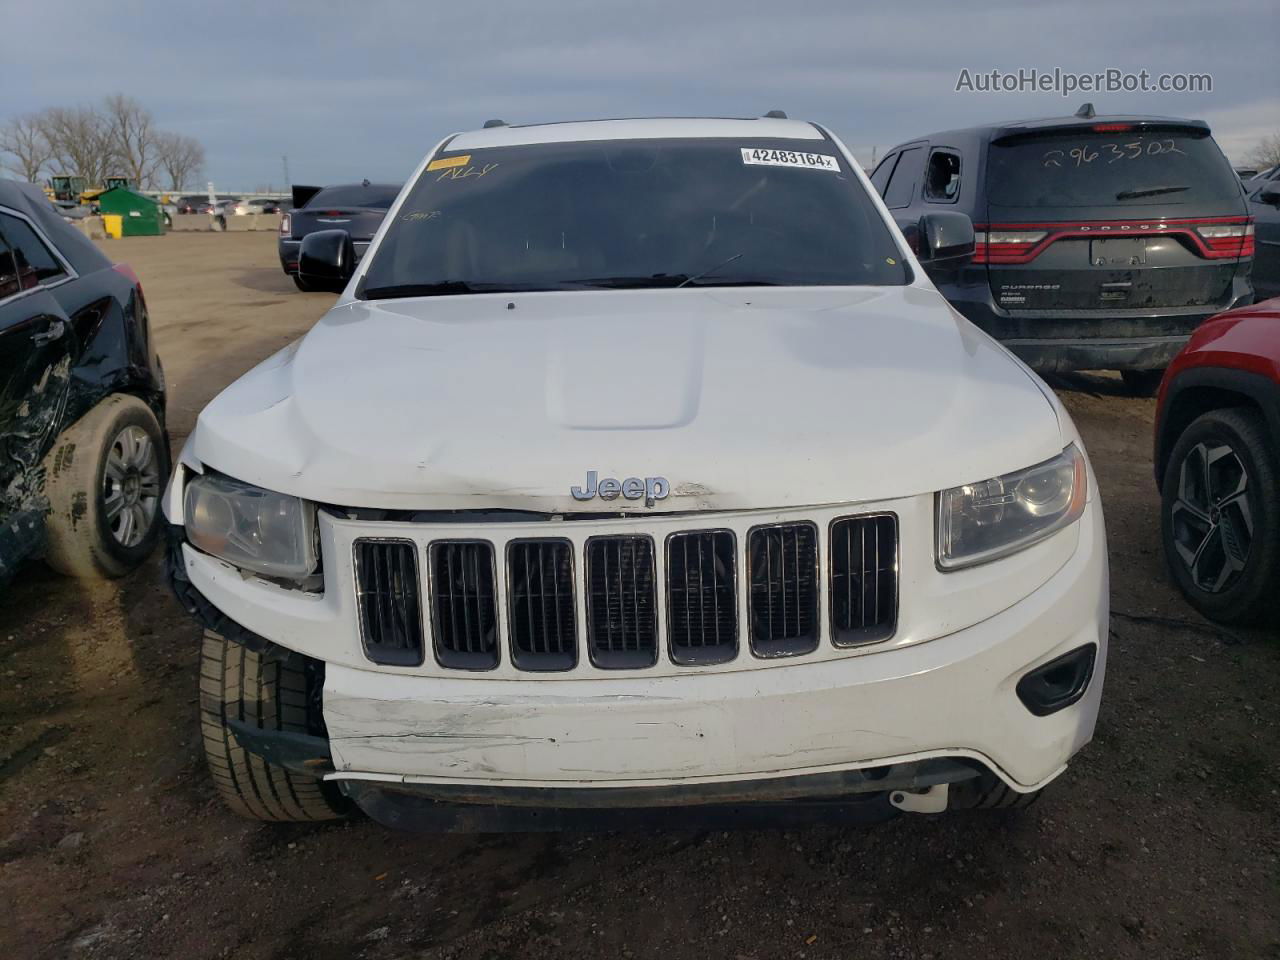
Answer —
544 633
464 611
864 579
783 565
388 597
622 618
702 596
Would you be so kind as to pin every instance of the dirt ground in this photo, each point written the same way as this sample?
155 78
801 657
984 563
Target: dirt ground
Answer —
1161 840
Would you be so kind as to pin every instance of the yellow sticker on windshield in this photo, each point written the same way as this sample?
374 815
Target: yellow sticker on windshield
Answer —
445 162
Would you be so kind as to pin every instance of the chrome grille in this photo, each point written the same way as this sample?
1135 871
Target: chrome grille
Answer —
864 579
702 596
782 565
464 620
544 630
622 617
388 598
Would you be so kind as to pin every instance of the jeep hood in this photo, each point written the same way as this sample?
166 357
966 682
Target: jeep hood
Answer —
741 398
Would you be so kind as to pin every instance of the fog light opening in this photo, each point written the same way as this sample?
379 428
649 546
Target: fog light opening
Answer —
1058 684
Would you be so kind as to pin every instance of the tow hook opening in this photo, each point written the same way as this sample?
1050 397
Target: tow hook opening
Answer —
1058 684
929 800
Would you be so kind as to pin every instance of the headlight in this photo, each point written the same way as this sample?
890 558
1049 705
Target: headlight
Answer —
984 521
252 528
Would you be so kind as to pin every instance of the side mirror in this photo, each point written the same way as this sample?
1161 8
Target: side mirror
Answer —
326 260
945 236
1270 193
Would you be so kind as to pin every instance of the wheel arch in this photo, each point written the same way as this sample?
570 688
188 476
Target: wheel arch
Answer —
1197 391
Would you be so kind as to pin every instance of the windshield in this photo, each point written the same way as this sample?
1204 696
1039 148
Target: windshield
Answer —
621 214
373 196
1087 169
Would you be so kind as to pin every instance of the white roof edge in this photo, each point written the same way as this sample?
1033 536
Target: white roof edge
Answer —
639 129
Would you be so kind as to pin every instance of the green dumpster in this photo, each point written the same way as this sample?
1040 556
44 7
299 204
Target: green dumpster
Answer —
140 216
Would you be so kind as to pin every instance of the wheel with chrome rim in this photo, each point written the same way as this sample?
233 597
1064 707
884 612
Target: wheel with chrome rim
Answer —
103 480
1221 516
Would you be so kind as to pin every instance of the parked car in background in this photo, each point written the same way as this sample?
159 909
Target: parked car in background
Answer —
1102 241
220 206
1217 465
191 204
256 205
638 466
83 450
1264 206
357 208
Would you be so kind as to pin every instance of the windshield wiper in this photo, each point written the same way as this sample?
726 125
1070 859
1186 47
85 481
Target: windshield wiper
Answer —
442 288
722 263
1148 192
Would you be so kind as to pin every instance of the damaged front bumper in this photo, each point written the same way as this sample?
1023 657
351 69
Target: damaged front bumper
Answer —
778 744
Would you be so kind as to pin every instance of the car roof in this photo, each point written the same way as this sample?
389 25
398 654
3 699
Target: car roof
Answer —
994 131
648 128
369 186
29 199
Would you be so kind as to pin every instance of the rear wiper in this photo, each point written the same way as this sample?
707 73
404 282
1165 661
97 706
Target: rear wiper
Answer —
440 288
1148 192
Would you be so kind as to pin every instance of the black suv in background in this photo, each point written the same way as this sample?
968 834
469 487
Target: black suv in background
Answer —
1102 242
83 450
357 208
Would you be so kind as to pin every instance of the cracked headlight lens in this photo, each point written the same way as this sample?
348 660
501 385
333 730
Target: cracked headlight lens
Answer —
255 529
984 521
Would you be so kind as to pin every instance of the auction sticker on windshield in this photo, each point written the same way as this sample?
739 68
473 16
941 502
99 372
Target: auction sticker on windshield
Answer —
789 158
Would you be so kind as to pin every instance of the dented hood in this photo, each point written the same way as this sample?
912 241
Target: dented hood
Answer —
741 398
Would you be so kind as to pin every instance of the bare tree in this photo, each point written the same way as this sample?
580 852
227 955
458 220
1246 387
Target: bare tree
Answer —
180 157
1267 152
135 138
80 140
23 138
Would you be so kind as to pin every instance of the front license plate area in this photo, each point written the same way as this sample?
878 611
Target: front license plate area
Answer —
1118 252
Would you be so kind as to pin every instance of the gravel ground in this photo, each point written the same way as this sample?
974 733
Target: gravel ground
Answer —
1161 840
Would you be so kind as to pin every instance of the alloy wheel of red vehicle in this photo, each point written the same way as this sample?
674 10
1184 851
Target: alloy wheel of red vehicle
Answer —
1221 518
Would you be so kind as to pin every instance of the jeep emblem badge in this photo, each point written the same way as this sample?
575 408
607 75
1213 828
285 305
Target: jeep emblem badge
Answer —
651 489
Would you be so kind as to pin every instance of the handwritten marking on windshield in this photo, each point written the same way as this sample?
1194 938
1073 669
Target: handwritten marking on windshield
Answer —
1081 155
462 173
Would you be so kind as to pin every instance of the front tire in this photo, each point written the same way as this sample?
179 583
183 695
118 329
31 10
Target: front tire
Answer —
103 480
1220 516
272 694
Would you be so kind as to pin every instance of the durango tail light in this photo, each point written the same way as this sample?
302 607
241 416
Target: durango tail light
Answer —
285 225
1226 240
1007 246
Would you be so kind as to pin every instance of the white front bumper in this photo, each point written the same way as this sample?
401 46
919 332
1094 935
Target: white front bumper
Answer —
951 696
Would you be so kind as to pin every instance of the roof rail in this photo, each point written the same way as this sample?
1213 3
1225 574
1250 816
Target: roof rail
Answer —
776 115
494 123
1086 112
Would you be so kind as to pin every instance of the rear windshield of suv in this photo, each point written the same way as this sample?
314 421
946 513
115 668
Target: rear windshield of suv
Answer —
615 214
1173 168
374 197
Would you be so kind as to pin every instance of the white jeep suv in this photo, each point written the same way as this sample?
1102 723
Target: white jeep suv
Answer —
639 466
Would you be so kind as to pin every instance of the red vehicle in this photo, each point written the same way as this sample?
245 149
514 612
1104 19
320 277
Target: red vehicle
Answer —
1217 464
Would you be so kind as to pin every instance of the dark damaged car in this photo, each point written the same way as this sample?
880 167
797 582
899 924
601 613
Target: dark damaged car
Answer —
83 448
356 208
1102 242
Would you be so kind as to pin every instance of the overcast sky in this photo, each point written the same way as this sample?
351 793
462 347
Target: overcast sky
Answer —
364 89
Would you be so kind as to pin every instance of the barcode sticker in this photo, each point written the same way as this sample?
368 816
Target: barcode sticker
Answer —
789 158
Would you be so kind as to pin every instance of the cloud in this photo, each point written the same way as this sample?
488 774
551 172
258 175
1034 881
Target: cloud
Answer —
349 91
